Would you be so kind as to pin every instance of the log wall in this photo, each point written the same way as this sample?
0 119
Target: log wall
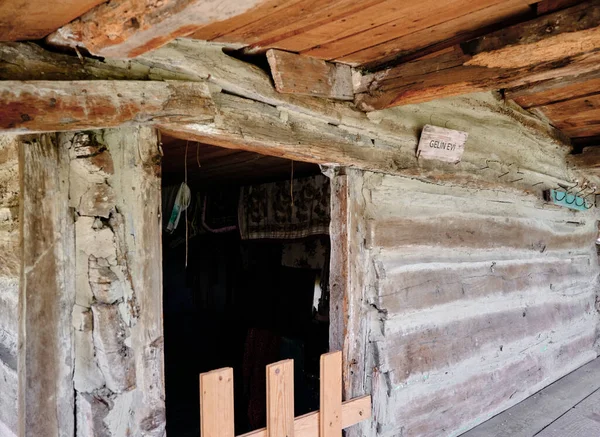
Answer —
9 283
470 300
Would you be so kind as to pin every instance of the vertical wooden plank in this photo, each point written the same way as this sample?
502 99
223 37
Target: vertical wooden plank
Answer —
330 423
47 291
280 399
136 159
216 403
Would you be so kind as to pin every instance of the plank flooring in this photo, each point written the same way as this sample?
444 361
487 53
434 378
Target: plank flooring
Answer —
567 408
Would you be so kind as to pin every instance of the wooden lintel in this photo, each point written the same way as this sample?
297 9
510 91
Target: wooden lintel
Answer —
47 106
565 43
124 29
297 74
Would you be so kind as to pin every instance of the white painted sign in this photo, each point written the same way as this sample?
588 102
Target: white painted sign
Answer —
441 144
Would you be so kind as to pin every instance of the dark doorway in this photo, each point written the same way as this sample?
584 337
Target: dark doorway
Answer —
255 289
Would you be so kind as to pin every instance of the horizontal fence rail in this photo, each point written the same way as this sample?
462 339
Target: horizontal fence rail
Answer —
216 403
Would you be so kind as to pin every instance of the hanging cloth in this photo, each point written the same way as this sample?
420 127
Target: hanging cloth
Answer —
284 210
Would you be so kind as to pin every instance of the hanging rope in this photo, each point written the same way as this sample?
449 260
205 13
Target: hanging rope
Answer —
292 184
187 143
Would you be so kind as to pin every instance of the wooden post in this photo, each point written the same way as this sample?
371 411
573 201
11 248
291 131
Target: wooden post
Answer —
47 291
280 399
330 423
216 403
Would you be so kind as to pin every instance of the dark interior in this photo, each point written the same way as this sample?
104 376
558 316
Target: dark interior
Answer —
240 302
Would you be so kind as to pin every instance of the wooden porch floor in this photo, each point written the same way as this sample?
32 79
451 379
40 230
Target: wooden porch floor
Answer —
567 408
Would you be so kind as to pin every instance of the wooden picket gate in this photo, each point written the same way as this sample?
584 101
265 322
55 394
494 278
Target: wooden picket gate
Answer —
216 403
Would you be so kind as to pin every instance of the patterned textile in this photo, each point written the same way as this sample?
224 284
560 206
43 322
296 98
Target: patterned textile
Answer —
270 210
310 253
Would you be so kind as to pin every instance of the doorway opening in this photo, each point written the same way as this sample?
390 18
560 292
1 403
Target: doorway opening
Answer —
256 286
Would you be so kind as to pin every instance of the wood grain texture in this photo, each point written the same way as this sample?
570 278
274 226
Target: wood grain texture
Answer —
280 399
128 28
34 19
462 330
330 409
39 106
572 115
137 158
582 419
433 38
404 20
555 90
353 412
535 413
47 291
533 51
216 403
384 141
297 74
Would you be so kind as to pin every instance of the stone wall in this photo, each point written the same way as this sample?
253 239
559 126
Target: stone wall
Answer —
9 283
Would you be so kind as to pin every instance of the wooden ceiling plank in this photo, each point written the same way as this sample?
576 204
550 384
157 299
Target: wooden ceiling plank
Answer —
431 14
574 114
560 44
555 90
266 10
296 74
49 106
437 37
35 19
124 29
295 19
403 14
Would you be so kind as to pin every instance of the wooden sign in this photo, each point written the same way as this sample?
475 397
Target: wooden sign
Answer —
442 144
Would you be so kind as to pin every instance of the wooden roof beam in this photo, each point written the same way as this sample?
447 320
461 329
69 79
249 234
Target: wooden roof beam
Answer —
124 29
53 106
564 43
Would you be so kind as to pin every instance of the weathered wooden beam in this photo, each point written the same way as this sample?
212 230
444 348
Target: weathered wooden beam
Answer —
258 127
46 106
560 44
28 61
383 141
124 29
296 74
554 90
47 291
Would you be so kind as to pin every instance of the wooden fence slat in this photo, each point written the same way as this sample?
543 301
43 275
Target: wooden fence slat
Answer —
330 423
353 412
280 399
216 403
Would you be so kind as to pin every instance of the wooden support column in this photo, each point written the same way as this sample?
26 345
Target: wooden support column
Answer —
47 291
348 325
117 314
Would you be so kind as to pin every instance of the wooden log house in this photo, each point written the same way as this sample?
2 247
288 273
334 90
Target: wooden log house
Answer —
456 288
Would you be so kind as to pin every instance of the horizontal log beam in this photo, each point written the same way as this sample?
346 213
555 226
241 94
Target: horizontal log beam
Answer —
297 74
124 29
46 106
252 115
564 43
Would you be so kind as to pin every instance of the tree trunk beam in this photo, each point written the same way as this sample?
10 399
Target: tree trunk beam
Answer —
296 74
124 29
46 106
561 44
